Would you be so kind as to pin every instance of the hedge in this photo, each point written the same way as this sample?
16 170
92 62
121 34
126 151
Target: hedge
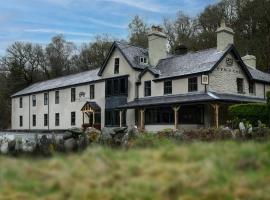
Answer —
251 112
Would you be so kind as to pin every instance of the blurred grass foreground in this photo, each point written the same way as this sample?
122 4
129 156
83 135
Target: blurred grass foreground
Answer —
163 170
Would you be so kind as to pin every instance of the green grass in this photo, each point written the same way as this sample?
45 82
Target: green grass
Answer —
218 170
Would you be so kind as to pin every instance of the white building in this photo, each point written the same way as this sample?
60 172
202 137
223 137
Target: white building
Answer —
146 87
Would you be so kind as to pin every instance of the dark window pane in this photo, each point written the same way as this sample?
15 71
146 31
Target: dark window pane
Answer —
56 97
45 98
251 87
45 119
34 120
191 114
21 102
161 115
193 84
168 87
147 88
21 121
57 119
116 65
73 94
92 91
73 118
240 85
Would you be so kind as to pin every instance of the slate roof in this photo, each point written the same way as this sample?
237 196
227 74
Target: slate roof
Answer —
61 82
190 63
189 99
133 54
259 75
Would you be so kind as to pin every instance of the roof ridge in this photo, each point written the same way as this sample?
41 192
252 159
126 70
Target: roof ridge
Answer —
64 76
131 45
190 53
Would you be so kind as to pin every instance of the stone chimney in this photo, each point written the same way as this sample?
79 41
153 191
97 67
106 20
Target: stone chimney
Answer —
224 36
157 44
250 60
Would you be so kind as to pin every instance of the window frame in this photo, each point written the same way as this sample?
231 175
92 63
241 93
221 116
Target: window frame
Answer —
21 102
251 88
240 88
34 120
57 119
57 97
192 84
72 94
21 121
147 88
116 65
167 89
92 91
114 87
46 98
73 118
34 100
45 119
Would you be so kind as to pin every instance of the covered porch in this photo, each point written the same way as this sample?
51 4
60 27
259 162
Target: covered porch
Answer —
91 115
185 111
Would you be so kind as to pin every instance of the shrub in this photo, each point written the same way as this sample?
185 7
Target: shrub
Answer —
252 112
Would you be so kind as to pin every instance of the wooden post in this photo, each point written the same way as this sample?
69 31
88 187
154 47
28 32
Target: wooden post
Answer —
176 108
83 117
120 118
93 118
216 114
142 118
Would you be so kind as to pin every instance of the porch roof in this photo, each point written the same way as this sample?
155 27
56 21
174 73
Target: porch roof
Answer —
91 106
189 99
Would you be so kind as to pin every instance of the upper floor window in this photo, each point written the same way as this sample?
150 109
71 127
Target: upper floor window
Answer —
147 88
34 120
193 84
73 118
57 119
46 98
45 119
143 60
34 100
21 121
116 65
21 102
251 88
240 85
167 87
73 94
92 91
56 97
116 86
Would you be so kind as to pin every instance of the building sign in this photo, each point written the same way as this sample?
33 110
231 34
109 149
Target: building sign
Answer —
205 79
224 69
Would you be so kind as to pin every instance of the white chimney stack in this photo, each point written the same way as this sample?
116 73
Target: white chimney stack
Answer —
157 44
224 36
250 60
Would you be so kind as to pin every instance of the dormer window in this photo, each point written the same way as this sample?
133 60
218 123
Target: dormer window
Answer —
143 60
116 65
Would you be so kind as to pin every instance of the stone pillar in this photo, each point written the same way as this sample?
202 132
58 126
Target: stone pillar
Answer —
120 118
216 113
142 118
175 109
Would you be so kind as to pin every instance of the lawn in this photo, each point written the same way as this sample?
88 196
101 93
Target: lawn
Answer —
198 170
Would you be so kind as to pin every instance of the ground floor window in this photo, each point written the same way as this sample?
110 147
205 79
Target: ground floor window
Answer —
73 118
161 115
193 114
45 119
57 119
34 120
112 117
21 121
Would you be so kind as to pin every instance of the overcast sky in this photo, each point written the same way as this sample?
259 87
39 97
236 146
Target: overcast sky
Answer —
80 20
